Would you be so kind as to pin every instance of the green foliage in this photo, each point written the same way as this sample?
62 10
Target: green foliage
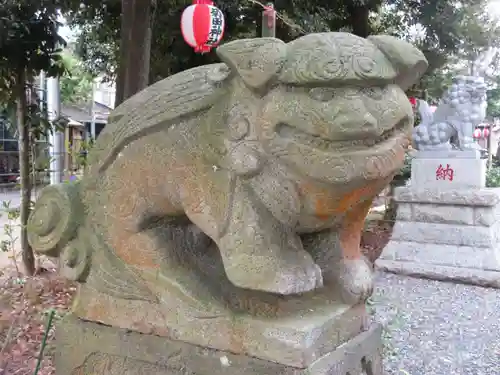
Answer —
76 85
434 84
99 26
404 173
36 119
8 244
450 27
493 177
493 95
29 41
455 37
80 157
29 44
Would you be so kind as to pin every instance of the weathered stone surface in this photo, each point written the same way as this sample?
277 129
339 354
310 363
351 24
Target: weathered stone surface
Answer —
223 206
295 332
435 213
459 236
463 197
89 348
445 234
474 276
442 173
180 152
447 154
404 212
446 255
486 216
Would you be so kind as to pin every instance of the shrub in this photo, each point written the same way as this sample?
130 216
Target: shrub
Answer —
493 177
404 173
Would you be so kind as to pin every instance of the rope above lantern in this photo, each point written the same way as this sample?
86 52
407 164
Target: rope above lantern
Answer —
202 25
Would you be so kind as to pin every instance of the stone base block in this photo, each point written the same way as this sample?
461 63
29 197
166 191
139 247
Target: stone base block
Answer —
296 331
473 257
87 348
448 173
473 276
447 235
447 154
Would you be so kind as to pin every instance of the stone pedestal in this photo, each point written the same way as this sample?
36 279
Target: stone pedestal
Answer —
448 170
89 348
446 233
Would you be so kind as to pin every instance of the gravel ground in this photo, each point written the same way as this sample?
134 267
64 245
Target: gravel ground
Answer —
438 328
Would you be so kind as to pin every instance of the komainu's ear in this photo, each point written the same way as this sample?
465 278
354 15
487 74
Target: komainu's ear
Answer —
257 60
408 60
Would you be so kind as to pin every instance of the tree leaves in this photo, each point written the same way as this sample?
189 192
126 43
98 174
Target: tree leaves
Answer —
449 27
76 84
28 39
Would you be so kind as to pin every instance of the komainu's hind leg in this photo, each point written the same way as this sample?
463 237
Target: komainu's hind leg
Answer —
132 197
338 253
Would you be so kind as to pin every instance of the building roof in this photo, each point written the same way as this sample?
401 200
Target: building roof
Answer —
82 114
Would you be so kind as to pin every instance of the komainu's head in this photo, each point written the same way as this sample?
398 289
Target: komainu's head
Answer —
333 105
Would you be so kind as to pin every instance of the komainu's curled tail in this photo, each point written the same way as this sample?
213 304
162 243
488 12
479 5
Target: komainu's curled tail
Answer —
53 228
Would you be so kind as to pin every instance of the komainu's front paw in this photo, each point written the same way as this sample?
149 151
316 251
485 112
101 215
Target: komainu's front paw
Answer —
291 274
355 277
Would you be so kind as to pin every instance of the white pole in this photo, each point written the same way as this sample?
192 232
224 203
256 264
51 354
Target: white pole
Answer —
92 127
92 112
42 95
41 90
56 139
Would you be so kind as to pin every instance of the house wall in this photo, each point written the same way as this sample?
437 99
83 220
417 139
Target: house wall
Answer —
104 92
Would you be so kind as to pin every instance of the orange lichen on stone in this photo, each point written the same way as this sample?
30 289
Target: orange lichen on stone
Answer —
327 203
350 231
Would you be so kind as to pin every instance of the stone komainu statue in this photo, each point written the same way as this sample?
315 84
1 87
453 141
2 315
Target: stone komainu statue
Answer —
252 174
452 125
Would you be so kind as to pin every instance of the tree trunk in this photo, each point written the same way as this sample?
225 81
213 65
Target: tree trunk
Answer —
24 169
359 20
133 74
126 25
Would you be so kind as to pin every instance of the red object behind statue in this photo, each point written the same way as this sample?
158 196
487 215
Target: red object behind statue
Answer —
202 25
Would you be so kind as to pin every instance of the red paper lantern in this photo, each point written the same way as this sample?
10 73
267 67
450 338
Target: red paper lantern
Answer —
202 25
413 101
486 133
477 133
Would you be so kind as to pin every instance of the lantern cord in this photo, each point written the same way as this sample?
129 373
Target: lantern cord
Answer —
282 18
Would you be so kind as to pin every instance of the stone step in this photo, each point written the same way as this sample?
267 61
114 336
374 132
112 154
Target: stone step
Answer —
443 255
446 234
473 276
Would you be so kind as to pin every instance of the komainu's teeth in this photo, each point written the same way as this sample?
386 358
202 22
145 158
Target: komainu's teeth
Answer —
326 145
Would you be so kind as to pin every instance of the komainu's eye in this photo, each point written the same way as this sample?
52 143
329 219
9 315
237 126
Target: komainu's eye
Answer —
322 94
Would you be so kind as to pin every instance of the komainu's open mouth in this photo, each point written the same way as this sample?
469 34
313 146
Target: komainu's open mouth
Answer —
286 131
